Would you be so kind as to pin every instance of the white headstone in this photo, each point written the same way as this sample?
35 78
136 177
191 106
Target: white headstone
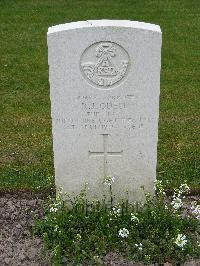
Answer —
105 83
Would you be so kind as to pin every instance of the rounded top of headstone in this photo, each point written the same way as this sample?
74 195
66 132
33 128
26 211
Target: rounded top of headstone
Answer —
104 23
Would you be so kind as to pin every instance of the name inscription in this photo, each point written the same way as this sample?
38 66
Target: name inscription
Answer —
104 114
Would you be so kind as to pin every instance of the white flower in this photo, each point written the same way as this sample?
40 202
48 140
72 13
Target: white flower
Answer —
109 180
50 177
176 203
159 187
56 249
55 206
53 209
115 211
166 207
181 240
153 213
147 257
134 218
96 257
184 188
78 237
56 228
196 210
123 232
139 246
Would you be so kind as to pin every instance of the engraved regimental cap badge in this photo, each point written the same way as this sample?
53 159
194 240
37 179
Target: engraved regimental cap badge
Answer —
104 64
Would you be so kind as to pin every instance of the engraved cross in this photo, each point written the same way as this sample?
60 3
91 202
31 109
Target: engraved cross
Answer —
105 153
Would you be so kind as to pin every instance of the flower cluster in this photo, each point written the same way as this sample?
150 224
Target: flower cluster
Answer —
109 180
196 210
55 206
183 189
179 195
71 229
159 187
139 246
56 228
176 202
56 250
53 209
115 211
78 237
181 241
123 233
134 218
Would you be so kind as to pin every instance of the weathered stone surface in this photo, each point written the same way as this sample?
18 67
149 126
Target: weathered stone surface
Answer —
105 82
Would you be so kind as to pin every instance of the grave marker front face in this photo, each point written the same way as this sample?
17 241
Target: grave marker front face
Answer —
104 84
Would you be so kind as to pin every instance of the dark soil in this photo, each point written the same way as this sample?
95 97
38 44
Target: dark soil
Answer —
18 247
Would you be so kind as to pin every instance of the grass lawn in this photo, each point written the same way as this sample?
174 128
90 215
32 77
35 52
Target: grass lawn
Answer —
26 141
